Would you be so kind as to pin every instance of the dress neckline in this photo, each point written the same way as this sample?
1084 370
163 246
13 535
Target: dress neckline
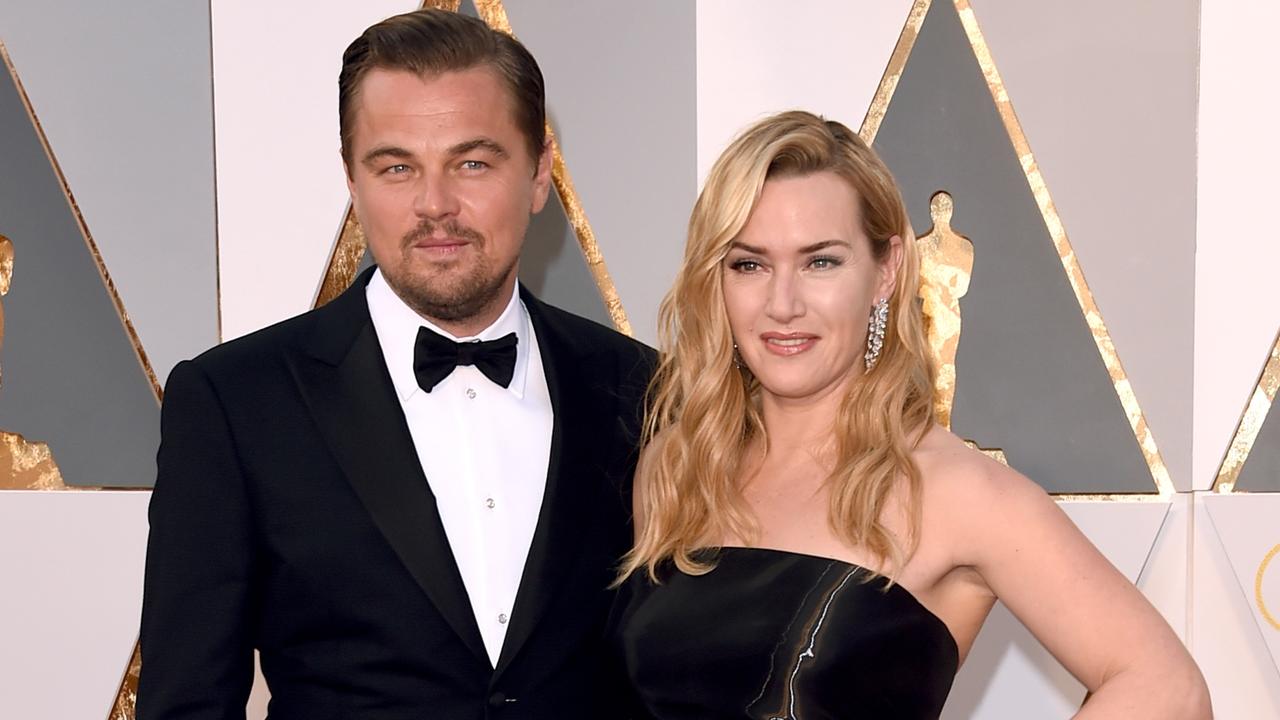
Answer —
740 549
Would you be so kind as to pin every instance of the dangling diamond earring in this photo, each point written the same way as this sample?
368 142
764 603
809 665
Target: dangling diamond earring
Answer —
736 357
875 331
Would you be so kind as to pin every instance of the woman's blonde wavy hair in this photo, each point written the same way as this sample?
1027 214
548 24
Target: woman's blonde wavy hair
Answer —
704 411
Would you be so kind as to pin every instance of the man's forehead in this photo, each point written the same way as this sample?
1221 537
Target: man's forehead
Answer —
401 91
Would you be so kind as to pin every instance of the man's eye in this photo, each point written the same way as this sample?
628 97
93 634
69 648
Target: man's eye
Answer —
474 165
397 169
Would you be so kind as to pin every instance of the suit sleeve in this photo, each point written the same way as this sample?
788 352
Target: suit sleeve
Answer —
197 647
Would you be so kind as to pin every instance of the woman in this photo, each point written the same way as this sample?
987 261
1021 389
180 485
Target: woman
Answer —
809 543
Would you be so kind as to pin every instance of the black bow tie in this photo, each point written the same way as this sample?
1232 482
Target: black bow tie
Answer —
435 356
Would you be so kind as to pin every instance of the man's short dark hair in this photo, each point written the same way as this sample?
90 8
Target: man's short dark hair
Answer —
429 42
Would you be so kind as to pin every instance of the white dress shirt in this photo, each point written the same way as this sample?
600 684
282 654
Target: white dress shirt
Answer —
484 449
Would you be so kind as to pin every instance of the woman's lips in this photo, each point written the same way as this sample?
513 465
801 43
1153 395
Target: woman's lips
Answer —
787 344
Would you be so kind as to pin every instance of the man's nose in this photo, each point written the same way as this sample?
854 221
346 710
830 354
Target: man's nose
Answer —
436 197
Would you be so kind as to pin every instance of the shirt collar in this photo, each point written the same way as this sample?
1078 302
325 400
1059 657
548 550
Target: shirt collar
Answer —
397 327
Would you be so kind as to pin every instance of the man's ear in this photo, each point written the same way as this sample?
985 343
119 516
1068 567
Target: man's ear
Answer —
889 268
346 169
542 177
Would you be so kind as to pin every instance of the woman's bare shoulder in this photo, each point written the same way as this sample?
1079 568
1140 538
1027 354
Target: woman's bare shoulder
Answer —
957 476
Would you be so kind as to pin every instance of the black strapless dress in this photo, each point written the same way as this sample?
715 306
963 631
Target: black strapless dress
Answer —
776 635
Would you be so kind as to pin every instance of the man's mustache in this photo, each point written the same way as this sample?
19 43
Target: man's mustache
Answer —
450 228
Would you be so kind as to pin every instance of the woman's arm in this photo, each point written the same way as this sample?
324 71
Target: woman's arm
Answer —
1088 615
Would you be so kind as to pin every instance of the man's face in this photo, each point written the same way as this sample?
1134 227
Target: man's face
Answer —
442 182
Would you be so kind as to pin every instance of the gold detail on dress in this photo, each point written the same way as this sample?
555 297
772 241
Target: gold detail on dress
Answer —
351 243
946 264
893 72
1264 394
124 707
84 228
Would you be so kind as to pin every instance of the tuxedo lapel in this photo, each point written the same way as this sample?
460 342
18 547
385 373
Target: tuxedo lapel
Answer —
583 423
344 382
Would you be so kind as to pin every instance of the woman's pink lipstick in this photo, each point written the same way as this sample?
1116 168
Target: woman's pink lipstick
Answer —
787 344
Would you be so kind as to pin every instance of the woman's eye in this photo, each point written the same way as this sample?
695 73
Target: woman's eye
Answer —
824 263
745 266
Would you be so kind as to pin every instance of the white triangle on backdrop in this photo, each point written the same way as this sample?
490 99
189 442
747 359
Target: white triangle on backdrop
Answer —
1249 527
71 600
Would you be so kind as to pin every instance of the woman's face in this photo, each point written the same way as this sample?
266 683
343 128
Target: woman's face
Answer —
799 285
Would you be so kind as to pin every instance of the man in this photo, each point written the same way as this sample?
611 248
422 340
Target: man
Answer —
411 501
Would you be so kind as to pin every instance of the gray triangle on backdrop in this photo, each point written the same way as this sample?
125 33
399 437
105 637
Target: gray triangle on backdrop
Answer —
1029 376
1261 469
71 376
553 266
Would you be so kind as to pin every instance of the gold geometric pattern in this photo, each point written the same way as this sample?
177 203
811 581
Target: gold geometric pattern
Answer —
1264 394
1048 211
351 245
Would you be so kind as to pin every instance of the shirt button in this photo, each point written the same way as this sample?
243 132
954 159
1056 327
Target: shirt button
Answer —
471 394
489 503
502 618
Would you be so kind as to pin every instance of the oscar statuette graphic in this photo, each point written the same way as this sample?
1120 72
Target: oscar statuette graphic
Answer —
946 264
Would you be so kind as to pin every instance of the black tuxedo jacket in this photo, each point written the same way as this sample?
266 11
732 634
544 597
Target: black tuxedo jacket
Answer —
291 515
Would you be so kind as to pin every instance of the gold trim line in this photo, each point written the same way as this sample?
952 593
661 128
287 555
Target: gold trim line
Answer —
84 227
1255 413
1093 316
893 72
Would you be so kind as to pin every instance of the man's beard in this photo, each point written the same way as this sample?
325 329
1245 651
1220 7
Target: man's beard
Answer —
448 299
